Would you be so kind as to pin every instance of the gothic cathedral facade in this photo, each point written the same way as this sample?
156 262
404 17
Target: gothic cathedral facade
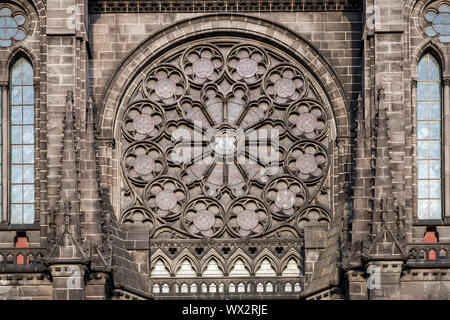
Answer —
225 149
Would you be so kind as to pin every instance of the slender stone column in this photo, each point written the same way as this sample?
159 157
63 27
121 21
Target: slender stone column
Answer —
5 139
446 148
414 142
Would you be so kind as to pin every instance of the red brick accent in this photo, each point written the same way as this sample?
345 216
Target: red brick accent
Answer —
430 237
22 242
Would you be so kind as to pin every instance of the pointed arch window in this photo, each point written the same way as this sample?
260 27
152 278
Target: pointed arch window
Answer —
20 144
429 139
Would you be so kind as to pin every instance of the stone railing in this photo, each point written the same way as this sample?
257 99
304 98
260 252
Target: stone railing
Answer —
281 287
22 259
429 253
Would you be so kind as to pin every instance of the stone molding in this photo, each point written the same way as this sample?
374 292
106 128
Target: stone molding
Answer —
108 6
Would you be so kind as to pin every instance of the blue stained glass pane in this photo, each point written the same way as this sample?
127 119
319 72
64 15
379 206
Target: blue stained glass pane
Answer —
422 189
28 115
442 18
20 19
10 33
439 28
28 174
16 95
20 35
434 73
435 209
435 130
16 154
27 74
422 150
435 189
16 115
435 111
16 193
444 39
422 111
422 69
17 75
28 134
10 22
2 32
5 12
430 31
422 130
16 174
444 8
28 95
28 154
435 91
28 193
16 213
422 91
422 169
28 213
429 16
435 149
435 169
5 43
423 208
16 135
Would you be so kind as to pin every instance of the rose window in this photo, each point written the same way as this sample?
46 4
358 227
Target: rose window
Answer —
12 26
225 140
437 23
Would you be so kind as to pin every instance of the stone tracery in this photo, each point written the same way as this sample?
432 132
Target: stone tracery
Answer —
215 126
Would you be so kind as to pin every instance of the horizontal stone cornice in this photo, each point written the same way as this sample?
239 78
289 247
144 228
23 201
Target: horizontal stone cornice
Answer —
115 6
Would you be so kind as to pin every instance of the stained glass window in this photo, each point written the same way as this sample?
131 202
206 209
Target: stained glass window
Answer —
11 26
429 139
22 143
438 23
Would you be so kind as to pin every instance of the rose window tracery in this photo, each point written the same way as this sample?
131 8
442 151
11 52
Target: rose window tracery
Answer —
248 64
436 20
225 140
166 197
164 85
13 26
